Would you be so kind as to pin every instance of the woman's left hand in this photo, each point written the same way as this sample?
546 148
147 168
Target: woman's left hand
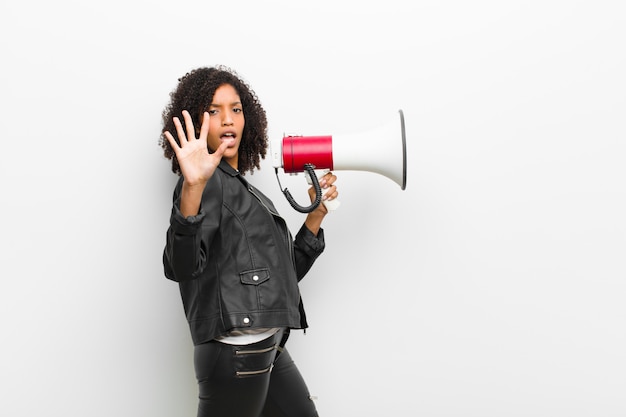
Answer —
329 191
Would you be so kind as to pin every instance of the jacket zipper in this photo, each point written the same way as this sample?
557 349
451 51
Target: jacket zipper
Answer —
251 352
261 201
250 373
273 213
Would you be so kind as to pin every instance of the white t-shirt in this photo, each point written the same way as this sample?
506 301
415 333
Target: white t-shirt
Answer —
247 336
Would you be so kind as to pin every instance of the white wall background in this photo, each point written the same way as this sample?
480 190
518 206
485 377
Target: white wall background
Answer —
493 286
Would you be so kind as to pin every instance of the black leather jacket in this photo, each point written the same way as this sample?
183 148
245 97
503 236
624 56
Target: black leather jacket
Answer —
236 262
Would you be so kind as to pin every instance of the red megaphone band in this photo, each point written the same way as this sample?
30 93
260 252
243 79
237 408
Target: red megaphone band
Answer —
301 150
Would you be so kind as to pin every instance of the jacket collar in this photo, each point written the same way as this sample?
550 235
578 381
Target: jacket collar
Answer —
225 166
228 170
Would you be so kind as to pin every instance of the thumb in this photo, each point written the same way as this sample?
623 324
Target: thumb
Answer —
222 148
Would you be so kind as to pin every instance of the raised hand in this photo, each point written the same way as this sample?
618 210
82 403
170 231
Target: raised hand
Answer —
197 165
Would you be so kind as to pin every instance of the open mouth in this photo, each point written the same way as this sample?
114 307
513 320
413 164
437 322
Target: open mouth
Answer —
227 136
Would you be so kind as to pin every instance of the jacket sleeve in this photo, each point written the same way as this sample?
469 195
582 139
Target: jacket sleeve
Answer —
307 247
188 238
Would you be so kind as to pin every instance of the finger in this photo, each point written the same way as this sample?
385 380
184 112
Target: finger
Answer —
180 132
222 148
328 179
172 141
331 194
204 128
191 134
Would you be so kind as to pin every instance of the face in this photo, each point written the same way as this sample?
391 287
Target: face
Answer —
226 121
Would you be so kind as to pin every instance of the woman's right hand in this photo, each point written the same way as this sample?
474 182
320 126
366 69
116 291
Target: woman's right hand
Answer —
197 165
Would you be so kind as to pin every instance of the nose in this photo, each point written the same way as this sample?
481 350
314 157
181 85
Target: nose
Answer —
227 120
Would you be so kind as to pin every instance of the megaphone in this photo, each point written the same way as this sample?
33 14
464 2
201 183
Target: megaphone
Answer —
370 151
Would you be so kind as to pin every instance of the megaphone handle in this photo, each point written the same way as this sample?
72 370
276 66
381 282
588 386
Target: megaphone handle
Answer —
329 204
316 185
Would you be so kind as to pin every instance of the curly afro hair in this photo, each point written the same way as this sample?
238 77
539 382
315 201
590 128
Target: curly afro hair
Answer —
194 93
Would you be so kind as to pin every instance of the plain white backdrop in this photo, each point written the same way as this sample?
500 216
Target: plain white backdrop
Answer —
493 286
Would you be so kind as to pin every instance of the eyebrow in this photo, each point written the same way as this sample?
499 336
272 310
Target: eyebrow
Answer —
235 103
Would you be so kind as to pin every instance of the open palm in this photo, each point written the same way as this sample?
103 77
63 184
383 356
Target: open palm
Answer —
197 165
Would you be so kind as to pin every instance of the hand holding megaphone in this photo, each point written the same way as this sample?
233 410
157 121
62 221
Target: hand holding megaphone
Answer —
329 204
367 151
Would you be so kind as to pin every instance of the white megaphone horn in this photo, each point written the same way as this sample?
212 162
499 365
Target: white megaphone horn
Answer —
370 151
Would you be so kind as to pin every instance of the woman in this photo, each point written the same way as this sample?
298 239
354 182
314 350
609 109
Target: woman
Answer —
233 256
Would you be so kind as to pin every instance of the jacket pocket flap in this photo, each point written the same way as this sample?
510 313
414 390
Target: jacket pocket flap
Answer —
255 277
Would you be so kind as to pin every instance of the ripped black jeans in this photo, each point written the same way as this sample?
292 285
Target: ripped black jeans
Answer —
256 380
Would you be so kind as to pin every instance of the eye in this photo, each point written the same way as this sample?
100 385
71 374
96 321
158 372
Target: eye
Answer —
212 112
238 110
